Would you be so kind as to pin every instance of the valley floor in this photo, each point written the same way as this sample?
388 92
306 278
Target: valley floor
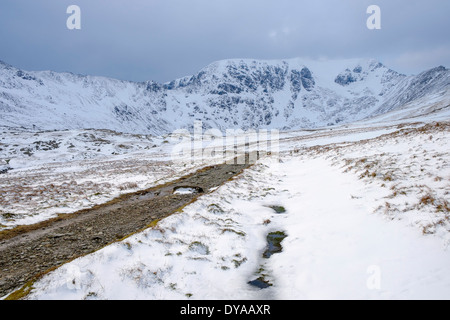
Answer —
350 213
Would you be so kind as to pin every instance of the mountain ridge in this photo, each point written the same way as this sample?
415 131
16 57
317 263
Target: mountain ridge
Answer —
227 94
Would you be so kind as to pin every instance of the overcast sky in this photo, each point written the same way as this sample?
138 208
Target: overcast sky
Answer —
163 40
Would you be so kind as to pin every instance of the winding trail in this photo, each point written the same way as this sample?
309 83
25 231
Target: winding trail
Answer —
27 252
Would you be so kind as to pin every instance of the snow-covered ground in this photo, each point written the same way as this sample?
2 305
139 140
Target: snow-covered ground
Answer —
363 213
58 172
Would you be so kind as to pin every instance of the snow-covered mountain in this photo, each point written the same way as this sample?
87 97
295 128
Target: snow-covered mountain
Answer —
281 94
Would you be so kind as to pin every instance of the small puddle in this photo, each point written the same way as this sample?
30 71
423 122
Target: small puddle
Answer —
187 190
260 283
274 240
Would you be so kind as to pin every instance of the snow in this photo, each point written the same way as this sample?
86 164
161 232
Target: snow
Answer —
58 172
266 97
186 190
363 206
333 242
342 241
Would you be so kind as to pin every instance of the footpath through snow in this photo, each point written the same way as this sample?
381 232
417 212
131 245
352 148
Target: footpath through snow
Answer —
338 249
334 245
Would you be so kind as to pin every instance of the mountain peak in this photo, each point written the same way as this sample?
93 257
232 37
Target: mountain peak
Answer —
235 93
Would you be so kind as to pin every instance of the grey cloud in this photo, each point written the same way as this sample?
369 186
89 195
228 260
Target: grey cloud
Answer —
165 39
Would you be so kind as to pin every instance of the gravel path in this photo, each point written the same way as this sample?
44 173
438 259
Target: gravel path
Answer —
28 252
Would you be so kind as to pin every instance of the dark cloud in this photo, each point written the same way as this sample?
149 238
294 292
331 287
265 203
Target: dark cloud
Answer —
165 39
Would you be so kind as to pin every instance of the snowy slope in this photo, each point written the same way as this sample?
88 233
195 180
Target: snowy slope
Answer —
347 234
431 107
281 94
